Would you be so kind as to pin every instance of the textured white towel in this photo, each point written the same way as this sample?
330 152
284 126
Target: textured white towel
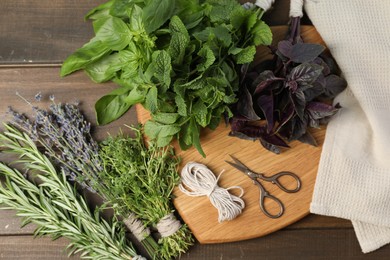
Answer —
354 174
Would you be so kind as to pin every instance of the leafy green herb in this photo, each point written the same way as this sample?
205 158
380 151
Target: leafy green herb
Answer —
54 205
171 56
290 94
65 136
141 179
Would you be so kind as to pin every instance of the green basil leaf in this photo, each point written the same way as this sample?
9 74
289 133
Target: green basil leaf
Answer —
113 32
119 8
90 52
156 13
110 107
104 69
99 11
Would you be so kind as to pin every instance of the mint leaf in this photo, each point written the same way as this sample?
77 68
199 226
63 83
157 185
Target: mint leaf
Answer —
162 67
162 133
223 35
185 137
151 100
194 129
262 34
156 13
166 118
179 41
113 32
247 55
90 52
200 112
181 105
208 58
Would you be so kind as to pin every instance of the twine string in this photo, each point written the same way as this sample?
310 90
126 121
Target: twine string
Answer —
198 180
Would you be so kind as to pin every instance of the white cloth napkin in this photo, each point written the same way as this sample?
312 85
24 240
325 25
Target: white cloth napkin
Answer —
353 179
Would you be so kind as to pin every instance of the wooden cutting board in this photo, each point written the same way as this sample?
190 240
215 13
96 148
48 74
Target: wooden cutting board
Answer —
302 159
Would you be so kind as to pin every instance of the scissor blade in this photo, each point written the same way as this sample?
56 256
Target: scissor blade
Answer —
238 167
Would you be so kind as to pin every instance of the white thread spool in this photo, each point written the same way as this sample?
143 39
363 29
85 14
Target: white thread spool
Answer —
202 182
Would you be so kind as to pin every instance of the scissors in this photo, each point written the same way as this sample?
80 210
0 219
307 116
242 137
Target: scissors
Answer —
274 179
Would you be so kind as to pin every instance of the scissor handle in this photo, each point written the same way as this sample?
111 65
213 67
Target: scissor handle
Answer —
265 195
275 180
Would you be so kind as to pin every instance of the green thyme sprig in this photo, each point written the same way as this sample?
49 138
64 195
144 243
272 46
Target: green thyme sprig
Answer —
54 205
65 135
142 180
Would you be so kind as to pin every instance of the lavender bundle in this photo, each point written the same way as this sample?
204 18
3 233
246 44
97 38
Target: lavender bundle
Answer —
65 135
53 205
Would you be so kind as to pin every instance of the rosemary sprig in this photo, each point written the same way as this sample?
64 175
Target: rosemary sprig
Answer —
65 135
142 180
54 205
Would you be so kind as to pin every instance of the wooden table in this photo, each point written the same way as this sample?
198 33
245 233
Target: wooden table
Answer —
35 37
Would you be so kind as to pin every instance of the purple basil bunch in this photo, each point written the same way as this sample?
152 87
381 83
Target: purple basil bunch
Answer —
280 99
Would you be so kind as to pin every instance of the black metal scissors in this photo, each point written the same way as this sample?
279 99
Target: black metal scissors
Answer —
274 179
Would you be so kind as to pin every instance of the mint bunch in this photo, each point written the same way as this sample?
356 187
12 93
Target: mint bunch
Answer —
178 58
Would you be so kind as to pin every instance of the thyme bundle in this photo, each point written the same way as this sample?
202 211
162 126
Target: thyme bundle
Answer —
54 205
65 135
142 179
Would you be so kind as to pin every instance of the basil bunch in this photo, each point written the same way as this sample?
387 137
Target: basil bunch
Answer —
178 58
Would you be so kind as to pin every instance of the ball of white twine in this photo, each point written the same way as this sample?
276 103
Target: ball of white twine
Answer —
264 4
296 8
136 227
202 182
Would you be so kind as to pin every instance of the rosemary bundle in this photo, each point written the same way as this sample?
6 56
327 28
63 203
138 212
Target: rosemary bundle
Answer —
65 135
142 180
54 205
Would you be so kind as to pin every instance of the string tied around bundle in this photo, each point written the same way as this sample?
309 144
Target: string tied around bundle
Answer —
198 180
296 8
265 4
168 225
136 227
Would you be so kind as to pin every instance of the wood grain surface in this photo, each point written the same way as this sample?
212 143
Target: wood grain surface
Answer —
35 37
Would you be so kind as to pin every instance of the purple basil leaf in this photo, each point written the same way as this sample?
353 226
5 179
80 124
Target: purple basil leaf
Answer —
242 136
334 85
305 52
313 92
274 139
285 47
245 105
318 110
299 102
298 128
307 138
264 80
321 62
286 115
305 74
332 65
266 103
270 147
